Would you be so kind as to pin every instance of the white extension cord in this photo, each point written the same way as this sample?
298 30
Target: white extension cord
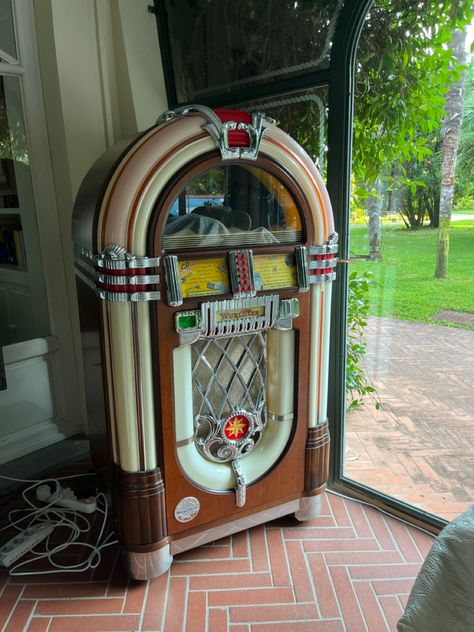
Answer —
65 497
36 524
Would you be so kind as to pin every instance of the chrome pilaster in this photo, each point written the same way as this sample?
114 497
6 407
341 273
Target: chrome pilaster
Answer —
174 293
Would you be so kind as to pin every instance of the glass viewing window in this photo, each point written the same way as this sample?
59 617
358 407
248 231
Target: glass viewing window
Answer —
232 205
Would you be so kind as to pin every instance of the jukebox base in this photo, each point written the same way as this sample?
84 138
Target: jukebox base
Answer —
144 566
309 508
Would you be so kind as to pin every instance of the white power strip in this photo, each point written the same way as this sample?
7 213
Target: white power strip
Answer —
24 542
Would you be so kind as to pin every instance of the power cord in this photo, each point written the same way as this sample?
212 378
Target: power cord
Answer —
35 517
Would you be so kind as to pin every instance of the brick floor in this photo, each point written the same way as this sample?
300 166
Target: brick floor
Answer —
420 446
349 570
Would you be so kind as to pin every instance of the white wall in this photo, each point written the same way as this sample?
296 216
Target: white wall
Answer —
102 81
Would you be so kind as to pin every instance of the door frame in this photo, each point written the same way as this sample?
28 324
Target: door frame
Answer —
339 78
56 349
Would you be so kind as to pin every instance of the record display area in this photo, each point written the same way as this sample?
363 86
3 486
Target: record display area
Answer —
205 255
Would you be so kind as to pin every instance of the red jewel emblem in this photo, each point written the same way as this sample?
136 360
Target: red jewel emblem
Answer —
236 427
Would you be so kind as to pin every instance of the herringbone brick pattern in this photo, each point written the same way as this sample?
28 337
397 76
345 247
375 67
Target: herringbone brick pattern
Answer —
419 446
350 570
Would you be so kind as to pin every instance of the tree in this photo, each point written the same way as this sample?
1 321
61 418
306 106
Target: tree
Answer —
451 132
465 162
402 74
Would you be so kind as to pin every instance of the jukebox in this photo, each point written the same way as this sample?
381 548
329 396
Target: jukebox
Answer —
204 254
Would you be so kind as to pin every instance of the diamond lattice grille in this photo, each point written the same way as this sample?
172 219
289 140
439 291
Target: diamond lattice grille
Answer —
229 374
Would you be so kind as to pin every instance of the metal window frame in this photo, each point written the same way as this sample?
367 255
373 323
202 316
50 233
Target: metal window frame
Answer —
339 79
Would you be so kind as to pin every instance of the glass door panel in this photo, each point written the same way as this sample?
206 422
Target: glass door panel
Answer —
412 437
409 430
23 304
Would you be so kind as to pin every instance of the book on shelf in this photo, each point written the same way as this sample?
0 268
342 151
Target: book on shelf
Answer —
12 246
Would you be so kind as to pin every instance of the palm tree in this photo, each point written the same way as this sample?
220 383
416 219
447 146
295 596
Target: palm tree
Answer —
449 150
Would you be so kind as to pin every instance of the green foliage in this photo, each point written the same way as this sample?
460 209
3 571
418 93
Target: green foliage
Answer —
465 164
358 384
12 133
464 202
404 69
421 186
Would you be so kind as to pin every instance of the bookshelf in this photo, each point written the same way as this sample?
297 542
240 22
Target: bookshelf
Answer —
15 304
12 242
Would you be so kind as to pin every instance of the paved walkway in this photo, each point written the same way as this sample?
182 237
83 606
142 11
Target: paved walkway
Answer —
420 446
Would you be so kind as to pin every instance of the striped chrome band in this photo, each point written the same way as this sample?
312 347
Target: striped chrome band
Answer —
182 442
274 417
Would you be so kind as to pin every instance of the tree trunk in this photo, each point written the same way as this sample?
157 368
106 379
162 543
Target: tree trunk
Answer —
449 149
373 208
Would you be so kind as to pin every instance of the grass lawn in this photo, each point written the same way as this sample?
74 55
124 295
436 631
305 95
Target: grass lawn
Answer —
403 282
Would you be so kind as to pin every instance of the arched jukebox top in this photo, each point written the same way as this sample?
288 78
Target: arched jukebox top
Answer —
205 255
206 179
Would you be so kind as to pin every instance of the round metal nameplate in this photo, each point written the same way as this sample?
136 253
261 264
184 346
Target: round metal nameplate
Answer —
187 509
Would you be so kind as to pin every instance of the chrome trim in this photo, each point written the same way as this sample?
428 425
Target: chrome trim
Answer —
220 398
183 442
175 295
321 264
310 508
184 110
115 257
240 487
324 249
229 379
134 297
219 131
319 278
210 438
255 131
245 324
284 324
188 337
92 269
289 308
145 566
274 417
113 279
302 268
128 264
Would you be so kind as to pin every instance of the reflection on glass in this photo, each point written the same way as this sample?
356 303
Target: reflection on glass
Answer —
7 33
23 304
232 205
218 45
302 115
